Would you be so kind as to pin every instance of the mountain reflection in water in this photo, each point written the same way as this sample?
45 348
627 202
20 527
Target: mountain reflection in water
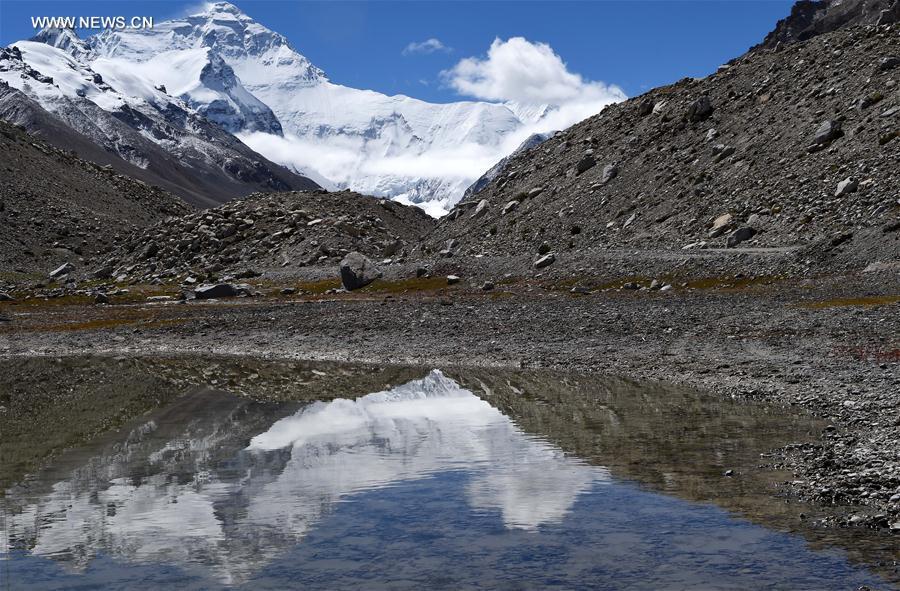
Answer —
422 485
236 515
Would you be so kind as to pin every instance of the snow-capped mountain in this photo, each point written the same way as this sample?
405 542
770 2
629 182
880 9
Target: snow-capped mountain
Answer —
221 66
343 137
124 113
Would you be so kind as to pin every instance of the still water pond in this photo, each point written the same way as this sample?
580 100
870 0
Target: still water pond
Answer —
401 479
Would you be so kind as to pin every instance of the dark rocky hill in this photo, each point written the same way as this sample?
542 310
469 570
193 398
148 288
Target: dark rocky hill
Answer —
798 147
56 208
268 232
809 18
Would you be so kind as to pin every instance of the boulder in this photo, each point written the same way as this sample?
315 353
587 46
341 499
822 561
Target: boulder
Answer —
358 271
888 63
5 297
452 279
740 235
827 132
545 261
63 269
480 209
585 164
610 171
645 108
846 186
699 110
218 290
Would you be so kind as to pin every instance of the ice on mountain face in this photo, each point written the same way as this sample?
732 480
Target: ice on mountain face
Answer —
202 79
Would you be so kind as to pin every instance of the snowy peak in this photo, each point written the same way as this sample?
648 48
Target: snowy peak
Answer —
225 29
64 39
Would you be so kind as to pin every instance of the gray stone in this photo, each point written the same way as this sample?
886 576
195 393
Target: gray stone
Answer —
5 297
827 132
487 286
63 269
888 63
700 109
510 207
545 261
585 164
645 108
846 186
358 271
610 171
218 290
740 235
481 209
452 279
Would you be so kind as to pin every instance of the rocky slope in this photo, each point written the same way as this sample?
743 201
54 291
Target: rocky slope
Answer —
276 231
810 18
799 147
55 207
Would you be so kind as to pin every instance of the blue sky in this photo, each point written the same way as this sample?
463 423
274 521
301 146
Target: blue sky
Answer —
633 44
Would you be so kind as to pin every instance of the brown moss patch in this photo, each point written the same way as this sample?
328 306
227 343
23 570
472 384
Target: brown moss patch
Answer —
857 302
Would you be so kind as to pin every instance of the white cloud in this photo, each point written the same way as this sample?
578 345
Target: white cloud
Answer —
524 72
428 46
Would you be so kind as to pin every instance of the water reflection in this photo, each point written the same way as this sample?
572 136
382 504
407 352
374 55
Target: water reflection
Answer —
440 482
167 497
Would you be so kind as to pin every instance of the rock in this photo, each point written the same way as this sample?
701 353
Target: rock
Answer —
888 63
645 108
711 135
480 209
721 152
421 272
101 298
535 192
358 271
610 171
509 207
452 279
151 250
722 221
729 473
5 297
63 269
740 235
846 186
544 248
585 164
218 290
827 132
545 261
289 291
699 110
487 286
